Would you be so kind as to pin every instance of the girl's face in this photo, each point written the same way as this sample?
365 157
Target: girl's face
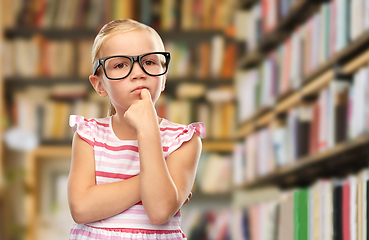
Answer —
124 92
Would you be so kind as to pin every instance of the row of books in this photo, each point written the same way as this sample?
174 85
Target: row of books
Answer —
39 56
207 223
329 209
214 173
333 25
337 113
45 112
209 59
263 17
42 57
311 45
161 14
219 117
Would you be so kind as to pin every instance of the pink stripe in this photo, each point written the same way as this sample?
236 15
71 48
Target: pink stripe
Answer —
139 230
103 237
113 175
117 157
172 129
118 148
98 123
87 140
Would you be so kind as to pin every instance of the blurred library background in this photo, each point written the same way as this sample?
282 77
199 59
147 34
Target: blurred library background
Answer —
281 85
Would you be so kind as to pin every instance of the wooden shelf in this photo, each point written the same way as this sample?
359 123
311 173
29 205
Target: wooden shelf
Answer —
218 145
62 148
83 33
312 86
341 159
245 4
41 80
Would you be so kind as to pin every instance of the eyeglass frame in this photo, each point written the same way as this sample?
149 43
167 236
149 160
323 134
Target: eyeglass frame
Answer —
101 62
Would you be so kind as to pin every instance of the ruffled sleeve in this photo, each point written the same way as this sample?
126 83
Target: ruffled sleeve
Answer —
85 128
183 134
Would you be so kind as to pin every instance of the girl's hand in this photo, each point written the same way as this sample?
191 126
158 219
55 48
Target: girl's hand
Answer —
141 115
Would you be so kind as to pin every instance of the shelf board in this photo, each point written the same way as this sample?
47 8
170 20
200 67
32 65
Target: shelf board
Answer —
53 151
245 4
218 145
42 80
85 33
348 154
64 148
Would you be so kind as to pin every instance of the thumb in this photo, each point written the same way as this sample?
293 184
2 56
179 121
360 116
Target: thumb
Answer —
145 94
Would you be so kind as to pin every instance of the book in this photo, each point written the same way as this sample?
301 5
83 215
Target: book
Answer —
300 214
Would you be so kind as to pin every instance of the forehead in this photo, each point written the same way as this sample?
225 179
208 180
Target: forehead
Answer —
129 43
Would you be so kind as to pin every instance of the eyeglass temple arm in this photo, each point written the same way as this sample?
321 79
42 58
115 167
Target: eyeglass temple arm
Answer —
96 66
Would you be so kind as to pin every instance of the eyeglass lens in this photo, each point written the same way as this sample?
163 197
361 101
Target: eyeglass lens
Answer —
119 67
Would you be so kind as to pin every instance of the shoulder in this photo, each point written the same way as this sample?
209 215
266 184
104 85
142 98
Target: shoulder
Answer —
87 129
174 135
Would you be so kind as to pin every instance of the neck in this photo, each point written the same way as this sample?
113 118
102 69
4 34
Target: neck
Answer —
122 129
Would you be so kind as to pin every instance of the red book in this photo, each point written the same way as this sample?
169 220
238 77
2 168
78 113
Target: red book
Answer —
314 130
346 211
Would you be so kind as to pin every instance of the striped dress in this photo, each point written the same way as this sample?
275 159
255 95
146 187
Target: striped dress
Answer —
116 160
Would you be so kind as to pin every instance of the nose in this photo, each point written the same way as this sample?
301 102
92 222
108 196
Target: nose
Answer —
137 71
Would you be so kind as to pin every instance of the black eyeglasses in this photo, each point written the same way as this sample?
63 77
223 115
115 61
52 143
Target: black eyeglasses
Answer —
119 67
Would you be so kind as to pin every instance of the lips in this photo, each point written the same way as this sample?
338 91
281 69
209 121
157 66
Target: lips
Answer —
138 89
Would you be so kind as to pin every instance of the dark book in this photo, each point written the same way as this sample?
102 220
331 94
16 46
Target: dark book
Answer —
337 212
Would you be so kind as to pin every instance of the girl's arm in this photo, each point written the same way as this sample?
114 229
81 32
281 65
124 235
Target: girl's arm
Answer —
164 185
90 202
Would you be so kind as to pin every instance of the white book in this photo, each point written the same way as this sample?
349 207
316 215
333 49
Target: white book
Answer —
365 178
353 207
217 54
316 37
355 20
250 156
342 27
238 164
327 210
323 120
241 20
279 145
366 14
296 66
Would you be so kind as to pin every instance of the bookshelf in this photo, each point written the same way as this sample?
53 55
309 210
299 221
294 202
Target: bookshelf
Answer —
313 183
44 27
347 61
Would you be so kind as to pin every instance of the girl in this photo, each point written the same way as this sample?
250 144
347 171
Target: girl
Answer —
132 171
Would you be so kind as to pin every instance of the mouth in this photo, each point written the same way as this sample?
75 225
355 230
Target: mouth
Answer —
138 89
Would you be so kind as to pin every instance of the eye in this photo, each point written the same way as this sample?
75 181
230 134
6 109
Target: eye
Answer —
149 62
120 65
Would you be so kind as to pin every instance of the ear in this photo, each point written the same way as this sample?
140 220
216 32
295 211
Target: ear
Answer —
163 82
98 86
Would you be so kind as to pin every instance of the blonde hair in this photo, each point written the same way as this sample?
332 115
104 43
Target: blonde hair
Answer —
117 27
